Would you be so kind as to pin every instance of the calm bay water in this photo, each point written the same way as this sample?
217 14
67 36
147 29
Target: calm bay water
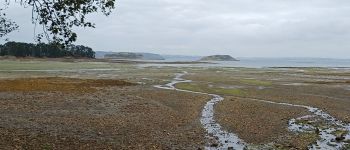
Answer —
288 62
267 62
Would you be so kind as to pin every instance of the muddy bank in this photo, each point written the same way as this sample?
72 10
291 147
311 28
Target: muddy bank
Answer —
259 122
330 99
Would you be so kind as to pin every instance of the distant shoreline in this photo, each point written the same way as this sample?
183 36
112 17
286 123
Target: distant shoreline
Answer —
244 63
122 61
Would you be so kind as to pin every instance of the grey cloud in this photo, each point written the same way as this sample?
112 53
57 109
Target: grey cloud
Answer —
305 28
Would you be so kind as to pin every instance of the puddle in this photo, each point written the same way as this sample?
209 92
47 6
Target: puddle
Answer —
295 84
231 87
141 83
261 87
148 79
347 88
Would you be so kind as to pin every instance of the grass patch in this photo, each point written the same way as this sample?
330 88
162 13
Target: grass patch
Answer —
302 121
308 138
347 146
230 91
47 146
255 82
51 84
339 132
204 88
49 65
190 87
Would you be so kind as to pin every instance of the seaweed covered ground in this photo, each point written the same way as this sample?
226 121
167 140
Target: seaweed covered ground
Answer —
108 105
247 110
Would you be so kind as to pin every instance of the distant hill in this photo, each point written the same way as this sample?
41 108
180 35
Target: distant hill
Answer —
181 58
218 58
101 54
128 55
123 55
151 56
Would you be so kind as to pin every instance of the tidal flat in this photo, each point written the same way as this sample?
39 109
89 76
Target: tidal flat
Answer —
55 104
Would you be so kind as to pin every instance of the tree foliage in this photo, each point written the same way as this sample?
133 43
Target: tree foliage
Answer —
58 17
6 25
52 50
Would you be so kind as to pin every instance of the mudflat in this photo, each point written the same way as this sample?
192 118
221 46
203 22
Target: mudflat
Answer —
61 113
110 105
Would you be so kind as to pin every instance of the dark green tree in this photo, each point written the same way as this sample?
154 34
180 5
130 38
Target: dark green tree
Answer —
51 50
58 17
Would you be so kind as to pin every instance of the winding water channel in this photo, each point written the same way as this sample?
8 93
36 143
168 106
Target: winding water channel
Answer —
226 140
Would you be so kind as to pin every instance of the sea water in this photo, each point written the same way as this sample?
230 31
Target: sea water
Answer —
265 62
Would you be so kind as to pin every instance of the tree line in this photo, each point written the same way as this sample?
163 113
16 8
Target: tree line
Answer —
51 50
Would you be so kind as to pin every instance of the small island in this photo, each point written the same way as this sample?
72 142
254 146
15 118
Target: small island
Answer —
218 58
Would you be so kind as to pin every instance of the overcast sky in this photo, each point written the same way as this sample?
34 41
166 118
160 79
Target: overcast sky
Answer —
248 28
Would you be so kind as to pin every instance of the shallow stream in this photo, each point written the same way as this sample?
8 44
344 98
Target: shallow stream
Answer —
221 139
